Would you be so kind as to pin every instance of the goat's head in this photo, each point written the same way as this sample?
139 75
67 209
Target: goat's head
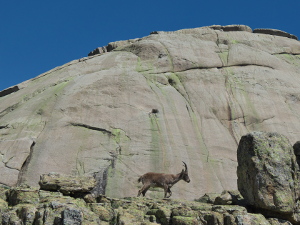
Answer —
184 174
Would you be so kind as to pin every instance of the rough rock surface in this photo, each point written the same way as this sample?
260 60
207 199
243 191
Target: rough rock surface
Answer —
275 32
32 206
67 184
268 175
147 105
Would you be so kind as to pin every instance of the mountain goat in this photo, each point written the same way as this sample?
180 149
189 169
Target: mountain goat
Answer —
162 180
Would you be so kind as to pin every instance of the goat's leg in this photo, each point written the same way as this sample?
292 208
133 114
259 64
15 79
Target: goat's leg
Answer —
166 189
143 190
170 192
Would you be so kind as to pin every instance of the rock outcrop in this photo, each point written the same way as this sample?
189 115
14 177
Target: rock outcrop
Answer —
67 184
147 104
32 206
9 91
275 32
111 46
268 175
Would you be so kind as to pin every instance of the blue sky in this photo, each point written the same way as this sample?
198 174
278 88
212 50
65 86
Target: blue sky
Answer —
37 36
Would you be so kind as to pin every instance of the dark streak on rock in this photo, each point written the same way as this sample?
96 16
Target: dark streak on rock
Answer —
8 109
9 91
4 127
92 128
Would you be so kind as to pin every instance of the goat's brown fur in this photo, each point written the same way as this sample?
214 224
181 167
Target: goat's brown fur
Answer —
162 180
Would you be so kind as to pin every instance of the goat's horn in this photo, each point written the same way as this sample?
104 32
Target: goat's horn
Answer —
185 166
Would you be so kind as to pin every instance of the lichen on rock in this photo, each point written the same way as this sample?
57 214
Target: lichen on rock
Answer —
268 174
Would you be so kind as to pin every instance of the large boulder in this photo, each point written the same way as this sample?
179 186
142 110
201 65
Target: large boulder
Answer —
67 184
268 174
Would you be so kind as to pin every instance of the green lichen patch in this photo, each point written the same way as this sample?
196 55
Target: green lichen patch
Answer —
163 215
290 58
3 190
234 41
224 57
119 135
3 205
27 212
104 212
22 196
181 220
183 211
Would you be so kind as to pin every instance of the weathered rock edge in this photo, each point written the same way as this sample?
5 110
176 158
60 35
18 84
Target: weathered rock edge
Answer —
113 45
25 205
275 32
67 184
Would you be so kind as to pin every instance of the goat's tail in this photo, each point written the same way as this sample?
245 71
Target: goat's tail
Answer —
140 179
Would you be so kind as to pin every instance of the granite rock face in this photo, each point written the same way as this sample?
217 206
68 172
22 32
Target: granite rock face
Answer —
268 175
147 104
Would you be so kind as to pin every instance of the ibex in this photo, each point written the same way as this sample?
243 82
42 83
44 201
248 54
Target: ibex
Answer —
162 180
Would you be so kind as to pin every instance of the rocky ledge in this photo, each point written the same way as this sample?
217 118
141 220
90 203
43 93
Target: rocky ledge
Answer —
268 183
25 205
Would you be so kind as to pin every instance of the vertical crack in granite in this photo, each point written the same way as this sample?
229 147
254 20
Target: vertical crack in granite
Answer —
230 94
194 122
25 165
101 179
190 109
102 175
220 52
169 56
185 95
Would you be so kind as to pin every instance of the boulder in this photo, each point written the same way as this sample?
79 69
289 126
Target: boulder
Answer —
276 221
105 213
22 195
111 46
99 50
268 174
26 213
224 199
232 197
72 216
208 198
251 219
232 28
67 184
